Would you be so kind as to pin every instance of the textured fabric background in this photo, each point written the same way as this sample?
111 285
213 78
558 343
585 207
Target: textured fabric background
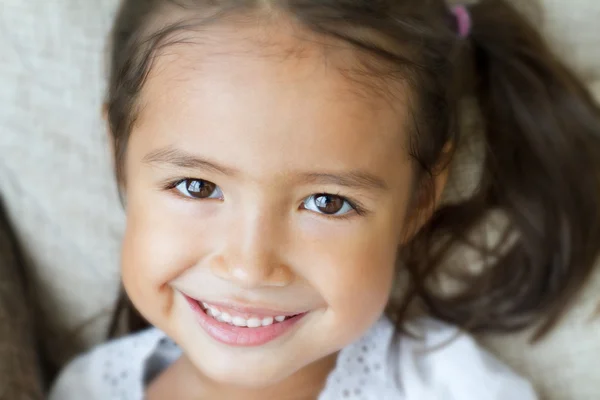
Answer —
55 175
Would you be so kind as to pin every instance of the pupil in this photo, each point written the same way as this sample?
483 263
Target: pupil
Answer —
200 189
329 204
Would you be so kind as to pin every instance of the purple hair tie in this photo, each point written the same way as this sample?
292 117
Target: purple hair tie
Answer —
463 20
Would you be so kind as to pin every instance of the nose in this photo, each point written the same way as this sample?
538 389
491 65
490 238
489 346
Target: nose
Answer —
250 256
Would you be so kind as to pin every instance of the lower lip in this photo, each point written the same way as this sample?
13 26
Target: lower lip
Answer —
239 336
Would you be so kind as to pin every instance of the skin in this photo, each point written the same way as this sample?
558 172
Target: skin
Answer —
272 110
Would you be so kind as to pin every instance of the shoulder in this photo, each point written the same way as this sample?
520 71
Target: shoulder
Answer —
110 371
443 362
438 363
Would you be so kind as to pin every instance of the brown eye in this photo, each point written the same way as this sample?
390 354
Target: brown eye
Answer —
327 204
199 189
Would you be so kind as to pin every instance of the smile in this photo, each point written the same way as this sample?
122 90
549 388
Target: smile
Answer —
242 327
234 319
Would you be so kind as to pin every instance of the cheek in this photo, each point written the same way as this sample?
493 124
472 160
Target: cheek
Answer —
157 247
354 274
364 282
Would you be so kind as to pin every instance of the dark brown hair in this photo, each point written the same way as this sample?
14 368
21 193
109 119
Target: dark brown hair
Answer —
541 132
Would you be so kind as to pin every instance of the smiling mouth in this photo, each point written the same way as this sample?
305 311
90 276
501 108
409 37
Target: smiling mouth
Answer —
242 326
242 320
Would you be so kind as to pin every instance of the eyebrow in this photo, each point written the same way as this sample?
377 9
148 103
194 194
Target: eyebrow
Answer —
182 159
356 179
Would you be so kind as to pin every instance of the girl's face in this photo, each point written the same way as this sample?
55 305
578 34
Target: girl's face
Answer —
265 177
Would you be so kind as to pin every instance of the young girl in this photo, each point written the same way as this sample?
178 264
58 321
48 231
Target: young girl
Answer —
282 162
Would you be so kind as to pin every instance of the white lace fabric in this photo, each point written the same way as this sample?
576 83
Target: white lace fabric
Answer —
442 365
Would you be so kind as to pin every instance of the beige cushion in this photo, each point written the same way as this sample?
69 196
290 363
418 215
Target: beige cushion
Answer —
54 167
57 180
572 26
563 366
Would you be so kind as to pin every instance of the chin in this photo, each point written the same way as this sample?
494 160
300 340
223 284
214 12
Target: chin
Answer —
241 374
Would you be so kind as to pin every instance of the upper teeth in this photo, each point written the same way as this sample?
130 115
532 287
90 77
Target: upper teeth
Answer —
253 322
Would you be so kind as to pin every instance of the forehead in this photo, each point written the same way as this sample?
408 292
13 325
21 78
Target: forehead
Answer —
272 88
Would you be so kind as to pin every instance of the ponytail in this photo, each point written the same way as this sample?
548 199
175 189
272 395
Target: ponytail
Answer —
541 169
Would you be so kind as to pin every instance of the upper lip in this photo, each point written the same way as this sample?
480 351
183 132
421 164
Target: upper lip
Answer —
261 311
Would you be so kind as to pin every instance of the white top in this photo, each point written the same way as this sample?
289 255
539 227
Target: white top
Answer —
445 365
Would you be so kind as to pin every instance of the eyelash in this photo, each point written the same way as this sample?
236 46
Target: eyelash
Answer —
358 208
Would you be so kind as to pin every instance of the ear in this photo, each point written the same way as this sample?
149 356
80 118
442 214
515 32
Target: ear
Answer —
109 136
428 196
111 147
106 122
